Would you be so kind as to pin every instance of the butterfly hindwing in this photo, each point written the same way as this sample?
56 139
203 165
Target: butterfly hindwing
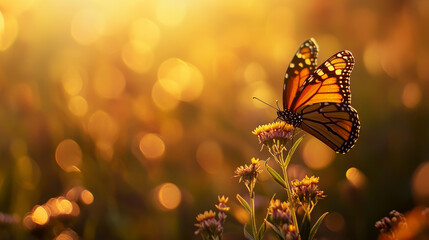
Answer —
301 66
335 124
330 82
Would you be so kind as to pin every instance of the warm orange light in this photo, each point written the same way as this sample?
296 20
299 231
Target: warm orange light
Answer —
145 31
334 222
171 130
420 181
72 82
356 177
40 215
102 127
210 156
182 80
316 154
169 196
64 206
152 146
163 99
68 155
8 30
86 197
67 235
109 82
87 26
78 105
171 12
138 56
411 95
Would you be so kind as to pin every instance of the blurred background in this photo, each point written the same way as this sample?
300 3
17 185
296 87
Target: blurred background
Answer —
125 119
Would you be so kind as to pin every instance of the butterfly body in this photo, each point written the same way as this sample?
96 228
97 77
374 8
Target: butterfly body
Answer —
318 100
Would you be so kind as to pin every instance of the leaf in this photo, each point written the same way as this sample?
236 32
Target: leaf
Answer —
275 175
262 230
316 226
292 150
276 230
304 230
243 203
247 234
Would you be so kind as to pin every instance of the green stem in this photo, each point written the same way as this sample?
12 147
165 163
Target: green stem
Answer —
252 214
289 193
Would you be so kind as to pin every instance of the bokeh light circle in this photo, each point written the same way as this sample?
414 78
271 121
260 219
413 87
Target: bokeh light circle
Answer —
316 154
78 105
68 155
170 12
169 196
334 222
152 146
87 26
420 182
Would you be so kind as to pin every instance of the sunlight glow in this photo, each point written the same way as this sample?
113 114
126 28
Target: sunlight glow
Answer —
356 177
152 146
40 215
169 196
210 156
87 26
68 155
316 154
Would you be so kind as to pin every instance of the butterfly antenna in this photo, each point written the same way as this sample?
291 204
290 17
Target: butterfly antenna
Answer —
278 109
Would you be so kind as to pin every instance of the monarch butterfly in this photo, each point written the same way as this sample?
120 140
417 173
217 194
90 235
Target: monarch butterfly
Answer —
318 100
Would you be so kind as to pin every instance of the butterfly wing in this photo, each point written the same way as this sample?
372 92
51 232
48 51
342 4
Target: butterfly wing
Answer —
330 82
335 124
301 66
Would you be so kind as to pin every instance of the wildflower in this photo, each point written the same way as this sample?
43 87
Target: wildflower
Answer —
279 212
306 192
274 136
394 222
281 217
248 174
222 207
208 226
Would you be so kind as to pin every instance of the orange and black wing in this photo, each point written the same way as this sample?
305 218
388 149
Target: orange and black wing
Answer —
330 82
335 124
301 66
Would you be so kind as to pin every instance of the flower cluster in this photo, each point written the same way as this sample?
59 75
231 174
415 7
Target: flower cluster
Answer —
394 222
274 135
306 192
248 174
281 217
208 226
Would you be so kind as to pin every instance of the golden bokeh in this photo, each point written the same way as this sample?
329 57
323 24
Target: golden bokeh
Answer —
67 234
64 206
72 82
102 128
40 215
210 156
171 12
86 197
145 31
334 221
163 99
169 196
78 106
68 155
138 56
420 182
356 177
109 82
152 146
8 31
411 95
87 26
181 79
316 154
171 130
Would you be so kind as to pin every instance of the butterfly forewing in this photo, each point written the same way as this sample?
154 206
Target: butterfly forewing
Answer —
330 82
301 66
335 124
